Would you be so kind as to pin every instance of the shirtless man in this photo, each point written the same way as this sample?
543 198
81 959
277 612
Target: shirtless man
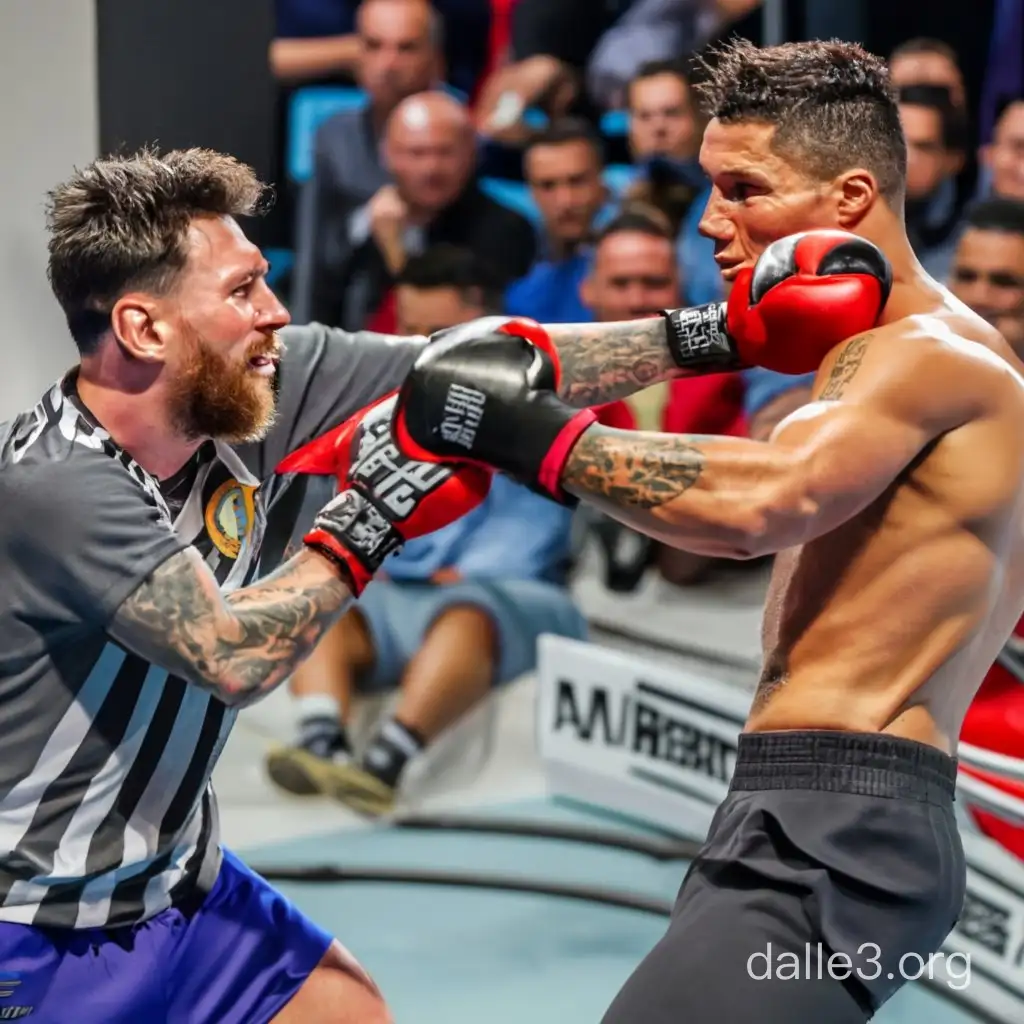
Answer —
893 502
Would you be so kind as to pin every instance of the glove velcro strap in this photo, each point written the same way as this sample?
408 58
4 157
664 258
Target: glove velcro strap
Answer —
549 476
353 530
698 339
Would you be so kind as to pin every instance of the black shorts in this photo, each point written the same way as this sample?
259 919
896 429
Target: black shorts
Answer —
831 849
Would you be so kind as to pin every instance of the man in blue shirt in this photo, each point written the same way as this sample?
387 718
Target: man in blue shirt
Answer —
455 612
563 167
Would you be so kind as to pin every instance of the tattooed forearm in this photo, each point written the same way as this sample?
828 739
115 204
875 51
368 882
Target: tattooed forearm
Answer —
628 469
845 367
605 362
241 645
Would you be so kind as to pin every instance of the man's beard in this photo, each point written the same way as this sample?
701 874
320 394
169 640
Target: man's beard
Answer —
212 397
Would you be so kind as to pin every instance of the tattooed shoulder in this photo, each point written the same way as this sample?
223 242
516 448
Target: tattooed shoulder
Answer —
845 367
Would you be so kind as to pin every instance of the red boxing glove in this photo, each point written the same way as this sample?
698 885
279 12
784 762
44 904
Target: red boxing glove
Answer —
385 497
806 294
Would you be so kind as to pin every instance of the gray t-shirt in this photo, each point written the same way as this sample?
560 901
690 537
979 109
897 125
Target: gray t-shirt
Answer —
106 812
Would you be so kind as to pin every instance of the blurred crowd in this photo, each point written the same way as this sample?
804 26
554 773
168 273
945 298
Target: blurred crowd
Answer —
539 158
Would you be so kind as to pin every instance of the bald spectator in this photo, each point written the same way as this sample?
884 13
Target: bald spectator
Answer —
397 54
319 40
924 61
429 149
1004 156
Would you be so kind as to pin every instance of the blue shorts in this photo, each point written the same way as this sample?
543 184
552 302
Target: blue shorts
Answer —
398 615
237 958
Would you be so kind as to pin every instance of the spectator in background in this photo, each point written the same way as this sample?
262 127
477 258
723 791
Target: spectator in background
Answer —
655 30
430 151
988 268
456 612
935 155
664 138
551 41
1004 155
924 61
635 274
398 54
563 166
318 40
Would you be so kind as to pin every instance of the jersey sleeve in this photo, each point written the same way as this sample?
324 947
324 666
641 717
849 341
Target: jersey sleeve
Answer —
77 537
326 375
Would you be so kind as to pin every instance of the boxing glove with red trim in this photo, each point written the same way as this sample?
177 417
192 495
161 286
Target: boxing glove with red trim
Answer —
385 497
807 293
486 393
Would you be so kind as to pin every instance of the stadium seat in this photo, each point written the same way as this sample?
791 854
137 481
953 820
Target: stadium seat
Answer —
307 110
618 176
513 194
615 124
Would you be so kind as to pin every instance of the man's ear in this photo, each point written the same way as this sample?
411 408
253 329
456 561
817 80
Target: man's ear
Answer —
140 334
857 192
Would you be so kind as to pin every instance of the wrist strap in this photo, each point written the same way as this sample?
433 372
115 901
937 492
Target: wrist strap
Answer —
550 475
353 529
698 340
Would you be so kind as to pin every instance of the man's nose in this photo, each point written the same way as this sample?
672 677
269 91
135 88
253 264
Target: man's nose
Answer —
272 313
714 223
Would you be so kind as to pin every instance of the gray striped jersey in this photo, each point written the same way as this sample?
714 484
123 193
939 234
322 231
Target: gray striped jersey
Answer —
107 815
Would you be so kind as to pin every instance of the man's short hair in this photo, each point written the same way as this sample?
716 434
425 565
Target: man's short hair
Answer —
451 266
653 68
953 124
831 103
996 214
563 130
121 224
925 44
639 218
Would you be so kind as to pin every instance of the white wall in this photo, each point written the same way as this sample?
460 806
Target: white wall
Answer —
48 114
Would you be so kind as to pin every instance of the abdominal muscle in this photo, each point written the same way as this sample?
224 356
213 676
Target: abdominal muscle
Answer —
886 625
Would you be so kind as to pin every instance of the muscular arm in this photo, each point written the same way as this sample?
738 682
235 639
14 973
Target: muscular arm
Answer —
605 362
742 498
240 645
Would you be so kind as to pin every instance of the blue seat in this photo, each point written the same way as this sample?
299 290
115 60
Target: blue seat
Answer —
513 194
618 176
615 124
307 110
281 261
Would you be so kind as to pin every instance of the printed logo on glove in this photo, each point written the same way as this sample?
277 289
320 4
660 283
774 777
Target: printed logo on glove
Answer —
385 497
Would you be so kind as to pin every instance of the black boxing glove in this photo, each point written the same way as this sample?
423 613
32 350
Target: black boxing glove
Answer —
485 393
806 294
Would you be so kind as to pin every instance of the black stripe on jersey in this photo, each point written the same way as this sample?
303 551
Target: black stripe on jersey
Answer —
34 855
128 896
107 847
186 884
128 900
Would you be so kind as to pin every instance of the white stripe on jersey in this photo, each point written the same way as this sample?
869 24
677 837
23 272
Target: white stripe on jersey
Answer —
106 783
21 803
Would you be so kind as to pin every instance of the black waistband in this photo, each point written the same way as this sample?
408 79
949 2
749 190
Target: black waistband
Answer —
867 764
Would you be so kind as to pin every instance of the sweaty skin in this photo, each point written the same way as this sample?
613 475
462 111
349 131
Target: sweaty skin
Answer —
893 499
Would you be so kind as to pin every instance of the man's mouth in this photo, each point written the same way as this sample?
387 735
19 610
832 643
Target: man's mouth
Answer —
264 365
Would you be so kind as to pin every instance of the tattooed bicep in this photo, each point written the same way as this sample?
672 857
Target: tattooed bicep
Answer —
173 616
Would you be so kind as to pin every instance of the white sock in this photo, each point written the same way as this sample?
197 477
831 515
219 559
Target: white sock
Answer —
318 705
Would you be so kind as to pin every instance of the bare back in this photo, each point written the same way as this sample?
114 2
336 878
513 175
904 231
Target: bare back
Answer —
889 622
